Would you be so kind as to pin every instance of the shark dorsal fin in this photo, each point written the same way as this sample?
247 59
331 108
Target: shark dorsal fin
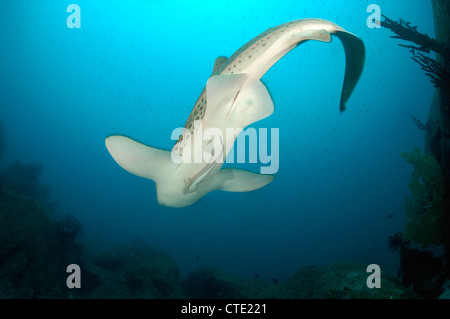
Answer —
218 63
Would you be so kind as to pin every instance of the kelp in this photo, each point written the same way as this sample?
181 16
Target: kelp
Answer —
426 208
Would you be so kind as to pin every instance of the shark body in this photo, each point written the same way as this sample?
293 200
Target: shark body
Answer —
234 97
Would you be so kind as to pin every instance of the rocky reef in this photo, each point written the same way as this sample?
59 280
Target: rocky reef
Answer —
419 269
334 281
23 179
135 271
427 208
211 283
36 250
37 246
28 246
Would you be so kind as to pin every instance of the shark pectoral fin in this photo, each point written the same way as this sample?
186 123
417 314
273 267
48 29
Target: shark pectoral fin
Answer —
355 55
252 104
137 158
221 93
238 98
218 63
236 180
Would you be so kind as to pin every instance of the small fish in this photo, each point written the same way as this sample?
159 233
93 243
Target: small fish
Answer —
275 281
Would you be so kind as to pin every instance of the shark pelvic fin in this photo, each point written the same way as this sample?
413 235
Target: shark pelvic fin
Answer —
238 98
236 180
139 159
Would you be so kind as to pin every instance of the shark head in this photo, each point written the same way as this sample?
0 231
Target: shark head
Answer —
234 97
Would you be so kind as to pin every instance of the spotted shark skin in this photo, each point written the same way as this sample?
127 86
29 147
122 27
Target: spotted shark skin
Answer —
257 56
234 97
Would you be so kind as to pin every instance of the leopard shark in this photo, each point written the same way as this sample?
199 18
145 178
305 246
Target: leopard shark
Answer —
234 97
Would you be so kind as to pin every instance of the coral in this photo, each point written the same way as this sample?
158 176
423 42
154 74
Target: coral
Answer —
340 281
405 31
68 230
29 262
334 281
23 179
34 249
136 271
437 71
426 209
422 271
211 283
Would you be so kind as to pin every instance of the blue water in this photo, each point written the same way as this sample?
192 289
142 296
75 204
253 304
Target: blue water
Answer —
137 67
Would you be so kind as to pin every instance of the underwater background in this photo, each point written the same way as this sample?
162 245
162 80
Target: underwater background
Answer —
136 68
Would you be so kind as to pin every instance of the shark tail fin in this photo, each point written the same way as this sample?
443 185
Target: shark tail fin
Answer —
355 55
236 180
137 158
